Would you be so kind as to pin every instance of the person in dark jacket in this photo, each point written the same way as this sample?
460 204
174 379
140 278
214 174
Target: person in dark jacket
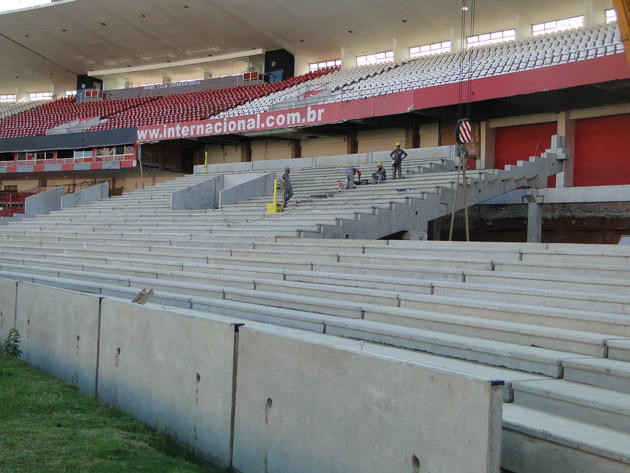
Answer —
287 189
397 158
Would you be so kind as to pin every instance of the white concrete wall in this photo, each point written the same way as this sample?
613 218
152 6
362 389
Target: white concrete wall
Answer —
203 195
86 196
171 371
59 332
7 306
241 187
263 398
305 405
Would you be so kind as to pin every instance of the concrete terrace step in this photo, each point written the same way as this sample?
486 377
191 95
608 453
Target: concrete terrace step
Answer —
518 357
606 373
576 401
536 441
398 295
353 264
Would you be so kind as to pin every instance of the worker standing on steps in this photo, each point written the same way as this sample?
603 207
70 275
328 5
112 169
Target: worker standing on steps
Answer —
397 158
287 189
380 175
350 172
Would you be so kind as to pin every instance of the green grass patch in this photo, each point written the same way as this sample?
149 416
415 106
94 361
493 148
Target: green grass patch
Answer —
46 425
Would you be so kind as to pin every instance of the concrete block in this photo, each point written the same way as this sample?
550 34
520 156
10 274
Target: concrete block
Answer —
173 371
351 412
202 195
86 196
43 202
8 295
59 332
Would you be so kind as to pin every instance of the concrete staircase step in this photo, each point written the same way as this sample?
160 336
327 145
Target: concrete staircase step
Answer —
602 372
536 441
581 402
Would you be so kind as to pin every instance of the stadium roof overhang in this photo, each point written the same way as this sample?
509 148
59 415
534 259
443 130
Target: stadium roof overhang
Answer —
48 46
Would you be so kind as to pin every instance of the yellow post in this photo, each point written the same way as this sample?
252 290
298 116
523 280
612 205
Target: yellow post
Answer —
205 165
274 207
275 190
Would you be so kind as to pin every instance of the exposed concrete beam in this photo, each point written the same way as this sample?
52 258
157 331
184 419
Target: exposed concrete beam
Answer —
522 120
185 62
602 111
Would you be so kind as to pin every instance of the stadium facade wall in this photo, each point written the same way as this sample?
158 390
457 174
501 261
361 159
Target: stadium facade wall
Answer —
271 149
202 379
381 140
325 146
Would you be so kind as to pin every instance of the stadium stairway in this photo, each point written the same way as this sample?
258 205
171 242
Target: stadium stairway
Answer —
379 211
552 321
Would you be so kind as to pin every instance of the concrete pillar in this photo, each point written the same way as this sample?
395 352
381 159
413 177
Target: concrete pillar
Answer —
523 28
435 229
348 59
296 149
21 95
246 152
352 145
401 52
455 35
566 128
486 146
534 223
593 15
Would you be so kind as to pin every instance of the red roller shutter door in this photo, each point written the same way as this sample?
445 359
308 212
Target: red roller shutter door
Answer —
602 151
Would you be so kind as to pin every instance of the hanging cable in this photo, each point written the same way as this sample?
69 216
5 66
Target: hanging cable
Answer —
466 58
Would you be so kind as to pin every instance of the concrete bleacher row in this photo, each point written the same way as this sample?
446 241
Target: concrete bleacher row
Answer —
552 321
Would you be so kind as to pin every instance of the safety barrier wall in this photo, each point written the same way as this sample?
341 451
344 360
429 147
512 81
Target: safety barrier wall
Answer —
324 161
43 202
259 397
241 187
86 196
204 195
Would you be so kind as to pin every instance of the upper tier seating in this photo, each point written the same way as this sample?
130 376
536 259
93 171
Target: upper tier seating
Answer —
492 60
429 71
38 120
331 81
199 105
8 109
131 112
